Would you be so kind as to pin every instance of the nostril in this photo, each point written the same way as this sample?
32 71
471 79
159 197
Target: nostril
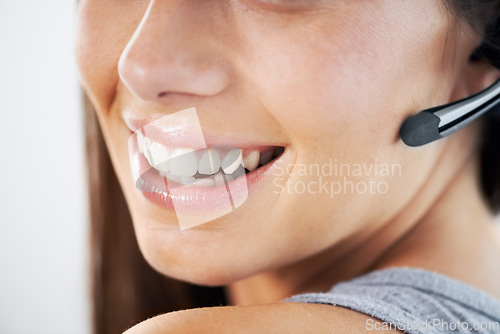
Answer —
162 94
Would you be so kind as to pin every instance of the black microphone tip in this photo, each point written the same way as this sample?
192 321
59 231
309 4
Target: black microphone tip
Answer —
420 129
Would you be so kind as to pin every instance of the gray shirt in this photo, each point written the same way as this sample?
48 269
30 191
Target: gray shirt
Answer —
414 301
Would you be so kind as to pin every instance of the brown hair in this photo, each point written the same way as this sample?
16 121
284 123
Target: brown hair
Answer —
126 290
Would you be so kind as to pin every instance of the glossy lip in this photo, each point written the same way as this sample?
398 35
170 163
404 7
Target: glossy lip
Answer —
186 136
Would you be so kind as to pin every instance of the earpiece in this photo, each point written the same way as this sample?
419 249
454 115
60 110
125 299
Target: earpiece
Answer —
438 122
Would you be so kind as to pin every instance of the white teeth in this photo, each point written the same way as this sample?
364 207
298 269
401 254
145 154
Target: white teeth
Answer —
172 177
183 162
159 156
186 179
231 161
266 157
140 142
146 145
251 161
218 180
204 182
209 162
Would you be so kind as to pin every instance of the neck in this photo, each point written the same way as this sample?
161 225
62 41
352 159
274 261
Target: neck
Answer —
428 233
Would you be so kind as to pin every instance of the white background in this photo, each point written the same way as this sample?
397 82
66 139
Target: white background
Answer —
43 218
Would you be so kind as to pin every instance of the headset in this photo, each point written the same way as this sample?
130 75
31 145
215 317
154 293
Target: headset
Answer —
441 121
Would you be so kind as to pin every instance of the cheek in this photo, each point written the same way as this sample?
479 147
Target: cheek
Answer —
104 28
351 74
341 89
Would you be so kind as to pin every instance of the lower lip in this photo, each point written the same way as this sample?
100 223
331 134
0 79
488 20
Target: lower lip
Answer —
194 199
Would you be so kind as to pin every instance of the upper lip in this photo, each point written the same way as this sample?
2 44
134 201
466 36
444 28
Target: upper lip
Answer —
184 134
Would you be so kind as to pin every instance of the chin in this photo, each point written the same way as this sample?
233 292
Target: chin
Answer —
196 264
200 274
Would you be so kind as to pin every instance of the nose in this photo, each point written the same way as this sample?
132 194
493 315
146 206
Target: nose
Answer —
174 51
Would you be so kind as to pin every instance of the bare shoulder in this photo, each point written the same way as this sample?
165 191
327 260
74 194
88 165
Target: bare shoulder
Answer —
267 318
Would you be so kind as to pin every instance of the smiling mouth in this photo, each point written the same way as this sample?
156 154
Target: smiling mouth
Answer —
199 175
199 185
210 167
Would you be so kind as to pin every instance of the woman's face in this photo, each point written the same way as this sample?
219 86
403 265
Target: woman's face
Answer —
330 81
